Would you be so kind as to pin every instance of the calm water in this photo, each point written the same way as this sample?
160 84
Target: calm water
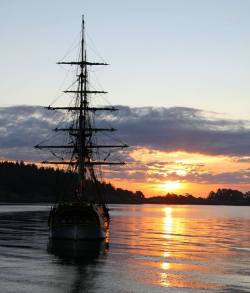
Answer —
152 248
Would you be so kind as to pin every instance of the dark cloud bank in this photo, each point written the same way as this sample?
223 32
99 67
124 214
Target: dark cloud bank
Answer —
166 129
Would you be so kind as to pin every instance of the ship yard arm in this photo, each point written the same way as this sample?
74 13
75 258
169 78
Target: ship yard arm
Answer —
72 146
82 63
87 129
79 108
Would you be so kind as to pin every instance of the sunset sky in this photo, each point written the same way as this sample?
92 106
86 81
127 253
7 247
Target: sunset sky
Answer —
179 72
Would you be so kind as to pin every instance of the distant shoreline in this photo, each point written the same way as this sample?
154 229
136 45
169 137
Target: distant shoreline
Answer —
143 203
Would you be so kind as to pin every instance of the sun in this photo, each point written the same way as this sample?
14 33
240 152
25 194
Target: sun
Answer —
181 172
171 185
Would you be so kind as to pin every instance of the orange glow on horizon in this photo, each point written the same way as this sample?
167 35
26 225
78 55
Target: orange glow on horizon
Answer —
171 185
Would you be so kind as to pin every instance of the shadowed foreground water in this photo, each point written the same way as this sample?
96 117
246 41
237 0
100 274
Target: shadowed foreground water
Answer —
152 248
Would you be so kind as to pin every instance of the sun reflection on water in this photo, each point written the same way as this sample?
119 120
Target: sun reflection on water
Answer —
167 222
167 227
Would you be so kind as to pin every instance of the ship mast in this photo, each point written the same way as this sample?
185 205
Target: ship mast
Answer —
82 145
82 115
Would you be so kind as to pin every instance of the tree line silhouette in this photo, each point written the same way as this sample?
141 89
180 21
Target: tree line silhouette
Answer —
27 183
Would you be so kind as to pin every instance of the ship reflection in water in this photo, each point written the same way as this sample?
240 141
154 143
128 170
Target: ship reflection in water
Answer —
152 248
80 254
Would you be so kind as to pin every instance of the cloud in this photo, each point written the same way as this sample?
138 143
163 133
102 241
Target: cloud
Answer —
183 129
21 127
149 131
235 177
165 129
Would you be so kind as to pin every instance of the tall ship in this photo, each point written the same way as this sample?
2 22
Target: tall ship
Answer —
84 215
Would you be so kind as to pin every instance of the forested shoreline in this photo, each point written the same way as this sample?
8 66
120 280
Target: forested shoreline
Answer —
27 183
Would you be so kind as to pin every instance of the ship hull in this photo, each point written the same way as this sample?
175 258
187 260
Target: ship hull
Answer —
78 222
77 232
